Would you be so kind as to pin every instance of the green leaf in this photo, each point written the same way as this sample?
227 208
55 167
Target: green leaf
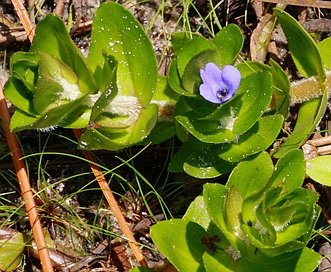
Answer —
24 66
255 140
197 213
115 139
319 169
295 214
53 39
165 98
208 131
164 94
234 117
251 175
214 199
204 163
117 33
303 48
187 148
106 76
178 39
324 49
289 171
223 261
309 63
78 118
191 79
175 80
11 248
48 121
229 41
192 49
280 83
194 54
20 87
18 94
232 211
56 86
281 89
180 241
297 261
250 67
309 115
161 132
250 102
254 102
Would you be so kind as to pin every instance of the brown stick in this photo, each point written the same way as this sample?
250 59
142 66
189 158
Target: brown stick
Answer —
113 204
25 186
21 172
302 3
23 15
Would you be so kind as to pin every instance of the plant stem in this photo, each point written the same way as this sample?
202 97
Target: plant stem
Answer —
113 204
25 186
308 88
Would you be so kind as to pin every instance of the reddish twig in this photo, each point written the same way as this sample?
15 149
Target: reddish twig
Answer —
306 3
113 204
25 186
21 172
24 17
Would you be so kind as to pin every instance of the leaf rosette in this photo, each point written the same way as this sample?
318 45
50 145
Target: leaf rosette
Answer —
223 115
109 93
270 213
51 85
262 219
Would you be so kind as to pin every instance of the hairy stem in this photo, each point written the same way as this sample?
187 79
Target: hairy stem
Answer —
308 88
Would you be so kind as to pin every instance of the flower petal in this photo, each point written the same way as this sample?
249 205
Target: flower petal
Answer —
207 92
219 85
231 78
213 72
212 79
205 77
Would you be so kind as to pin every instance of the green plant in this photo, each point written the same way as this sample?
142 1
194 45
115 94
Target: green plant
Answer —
109 93
261 220
254 222
226 114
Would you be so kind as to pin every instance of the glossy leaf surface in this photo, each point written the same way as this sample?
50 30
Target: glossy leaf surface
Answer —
319 169
303 48
229 41
180 241
119 34
309 63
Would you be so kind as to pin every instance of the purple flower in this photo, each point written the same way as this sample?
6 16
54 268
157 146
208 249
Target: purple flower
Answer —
219 85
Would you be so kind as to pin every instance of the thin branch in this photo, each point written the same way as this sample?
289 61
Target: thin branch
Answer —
24 17
113 204
302 3
25 186
21 172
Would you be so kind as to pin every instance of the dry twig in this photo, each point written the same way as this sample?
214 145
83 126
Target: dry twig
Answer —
113 204
302 3
23 15
25 186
